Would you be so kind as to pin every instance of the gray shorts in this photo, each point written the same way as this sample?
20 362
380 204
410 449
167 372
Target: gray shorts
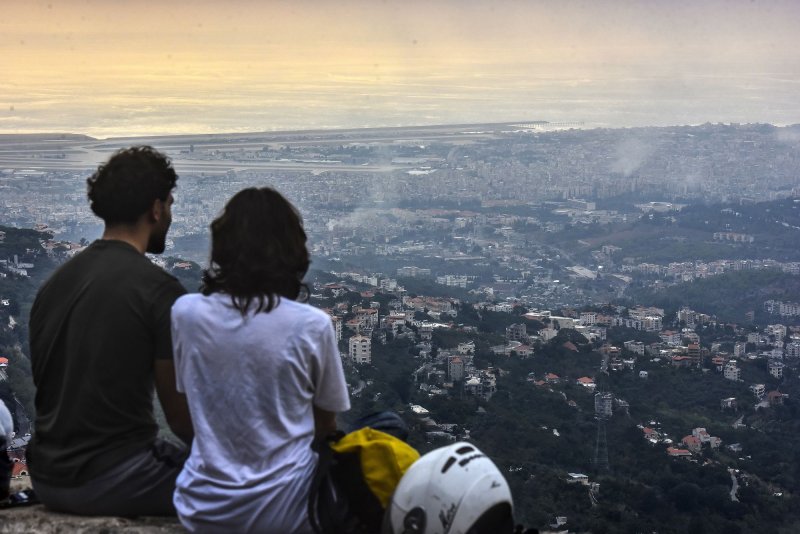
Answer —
141 485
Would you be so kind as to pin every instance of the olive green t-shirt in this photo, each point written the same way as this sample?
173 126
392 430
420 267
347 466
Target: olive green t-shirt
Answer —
96 327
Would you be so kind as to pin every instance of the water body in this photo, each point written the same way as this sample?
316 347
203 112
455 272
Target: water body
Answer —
143 68
212 104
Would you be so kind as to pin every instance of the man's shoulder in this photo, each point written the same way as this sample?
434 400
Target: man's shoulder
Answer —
161 276
138 267
113 256
120 268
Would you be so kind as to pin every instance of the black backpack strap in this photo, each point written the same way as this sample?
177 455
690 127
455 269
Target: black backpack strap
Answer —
322 498
365 512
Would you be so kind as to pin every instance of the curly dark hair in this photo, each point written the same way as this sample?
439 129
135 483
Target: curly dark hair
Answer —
258 251
126 186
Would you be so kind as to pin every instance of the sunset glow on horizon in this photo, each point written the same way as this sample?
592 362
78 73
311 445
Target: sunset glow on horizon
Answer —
131 68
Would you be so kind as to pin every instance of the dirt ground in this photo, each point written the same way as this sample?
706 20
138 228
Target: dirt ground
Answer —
35 519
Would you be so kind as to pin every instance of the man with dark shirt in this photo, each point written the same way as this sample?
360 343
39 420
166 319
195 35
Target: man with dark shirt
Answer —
100 340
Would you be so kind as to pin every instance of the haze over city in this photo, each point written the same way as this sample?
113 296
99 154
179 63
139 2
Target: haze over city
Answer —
137 68
564 232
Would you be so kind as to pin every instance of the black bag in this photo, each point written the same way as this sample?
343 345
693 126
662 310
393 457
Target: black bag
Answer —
341 500
329 503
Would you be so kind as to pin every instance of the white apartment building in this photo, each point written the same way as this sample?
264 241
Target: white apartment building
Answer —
786 309
793 349
562 322
455 368
453 280
776 369
670 338
637 347
640 312
690 335
588 318
516 332
413 272
466 348
732 371
686 315
652 323
367 316
777 330
758 390
388 284
337 327
360 350
649 323
425 332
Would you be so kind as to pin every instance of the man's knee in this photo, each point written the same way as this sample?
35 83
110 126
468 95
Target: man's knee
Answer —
143 485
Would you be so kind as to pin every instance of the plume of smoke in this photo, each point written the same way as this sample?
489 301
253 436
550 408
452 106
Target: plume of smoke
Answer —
379 196
630 155
789 135
358 218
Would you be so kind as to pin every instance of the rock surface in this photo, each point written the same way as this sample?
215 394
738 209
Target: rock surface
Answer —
36 519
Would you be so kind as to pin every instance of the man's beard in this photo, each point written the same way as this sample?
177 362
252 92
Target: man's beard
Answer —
157 241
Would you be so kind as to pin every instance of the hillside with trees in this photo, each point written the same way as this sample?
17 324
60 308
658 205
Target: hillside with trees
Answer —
688 234
728 296
540 423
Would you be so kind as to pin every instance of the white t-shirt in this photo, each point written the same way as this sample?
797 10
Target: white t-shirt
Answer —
250 382
6 427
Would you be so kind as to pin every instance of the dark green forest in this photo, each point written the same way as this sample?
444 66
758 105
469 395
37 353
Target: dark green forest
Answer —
729 296
537 434
688 235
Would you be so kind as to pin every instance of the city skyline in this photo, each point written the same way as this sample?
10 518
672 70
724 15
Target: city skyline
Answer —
200 67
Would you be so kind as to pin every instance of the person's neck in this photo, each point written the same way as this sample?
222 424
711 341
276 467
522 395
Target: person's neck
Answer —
134 235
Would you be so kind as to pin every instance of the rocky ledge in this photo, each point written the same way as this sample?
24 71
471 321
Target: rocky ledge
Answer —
36 519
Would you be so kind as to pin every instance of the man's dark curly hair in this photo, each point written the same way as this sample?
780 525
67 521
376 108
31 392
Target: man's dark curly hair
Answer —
126 186
258 251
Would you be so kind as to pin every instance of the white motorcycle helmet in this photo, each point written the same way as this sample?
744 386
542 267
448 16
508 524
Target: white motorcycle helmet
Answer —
452 490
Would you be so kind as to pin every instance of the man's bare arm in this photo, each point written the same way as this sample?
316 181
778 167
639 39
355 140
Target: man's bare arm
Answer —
174 403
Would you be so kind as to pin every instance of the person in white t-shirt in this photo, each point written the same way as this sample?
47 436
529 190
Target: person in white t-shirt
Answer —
261 372
6 433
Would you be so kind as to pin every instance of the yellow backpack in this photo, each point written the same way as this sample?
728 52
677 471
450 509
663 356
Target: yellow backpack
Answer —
355 479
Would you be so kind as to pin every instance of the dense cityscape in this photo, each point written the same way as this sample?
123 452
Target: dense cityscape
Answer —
610 314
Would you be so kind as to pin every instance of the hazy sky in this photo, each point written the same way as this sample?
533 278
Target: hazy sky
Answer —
110 68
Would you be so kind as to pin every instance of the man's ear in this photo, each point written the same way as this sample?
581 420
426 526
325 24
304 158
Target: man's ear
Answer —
156 210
